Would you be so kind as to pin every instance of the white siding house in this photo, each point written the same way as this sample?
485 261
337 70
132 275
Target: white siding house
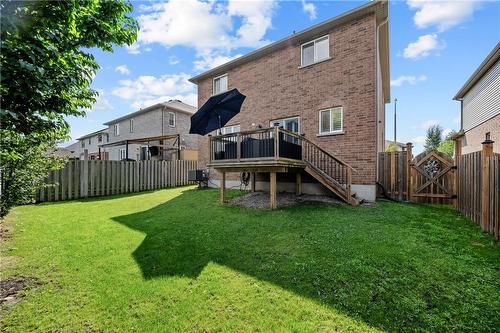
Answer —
480 106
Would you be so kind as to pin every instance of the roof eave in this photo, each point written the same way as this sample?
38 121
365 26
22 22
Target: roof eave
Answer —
369 8
487 63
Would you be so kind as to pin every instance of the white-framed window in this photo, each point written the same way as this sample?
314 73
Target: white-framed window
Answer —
220 84
99 137
331 121
83 144
171 119
230 129
116 129
90 141
131 123
315 51
123 154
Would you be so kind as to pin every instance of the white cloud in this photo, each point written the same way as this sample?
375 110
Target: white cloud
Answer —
191 99
446 132
214 33
419 139
210 60
133 49
256 16
147 90
428 123
423 46
442 14
410 79
173 60
310 9
101 104
122 69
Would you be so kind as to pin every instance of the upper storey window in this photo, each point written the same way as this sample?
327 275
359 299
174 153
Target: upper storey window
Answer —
220 84
315 51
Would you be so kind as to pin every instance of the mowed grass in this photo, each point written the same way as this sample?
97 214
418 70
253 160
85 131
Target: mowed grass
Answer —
175 260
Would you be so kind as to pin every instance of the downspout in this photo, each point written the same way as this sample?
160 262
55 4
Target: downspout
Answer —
378 95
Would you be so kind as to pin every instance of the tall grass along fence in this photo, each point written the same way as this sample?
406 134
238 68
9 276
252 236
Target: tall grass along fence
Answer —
92 178
479 190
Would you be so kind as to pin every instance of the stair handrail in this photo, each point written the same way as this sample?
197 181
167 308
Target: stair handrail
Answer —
300 137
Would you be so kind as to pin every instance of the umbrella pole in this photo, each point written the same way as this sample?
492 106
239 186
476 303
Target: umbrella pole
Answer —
220 127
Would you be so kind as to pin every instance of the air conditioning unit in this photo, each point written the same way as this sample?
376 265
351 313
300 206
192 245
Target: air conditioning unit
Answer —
197 175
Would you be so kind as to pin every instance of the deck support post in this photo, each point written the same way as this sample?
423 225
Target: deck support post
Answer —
253 180
272 190
222 187
298 183
485 176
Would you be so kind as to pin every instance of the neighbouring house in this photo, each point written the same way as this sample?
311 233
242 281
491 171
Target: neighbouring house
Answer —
157 132
91 143
480 106
399 145
328 84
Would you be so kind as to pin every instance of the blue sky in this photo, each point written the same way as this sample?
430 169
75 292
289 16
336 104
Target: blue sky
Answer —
434 47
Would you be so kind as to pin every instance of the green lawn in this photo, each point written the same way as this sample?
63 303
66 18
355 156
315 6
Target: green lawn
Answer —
175 260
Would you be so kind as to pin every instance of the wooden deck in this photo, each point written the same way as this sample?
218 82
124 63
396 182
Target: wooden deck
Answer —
259 151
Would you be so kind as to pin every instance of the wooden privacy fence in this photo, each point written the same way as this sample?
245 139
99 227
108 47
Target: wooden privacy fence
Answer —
92 178
471 183
393 174
479 190
426 178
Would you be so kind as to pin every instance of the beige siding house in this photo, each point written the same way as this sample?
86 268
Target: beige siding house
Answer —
162 119
90 142
480 106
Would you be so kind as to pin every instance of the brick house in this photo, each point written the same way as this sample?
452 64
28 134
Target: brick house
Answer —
480 106
329 83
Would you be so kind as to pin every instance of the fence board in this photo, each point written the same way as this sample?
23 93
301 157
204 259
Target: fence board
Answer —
81 179
470 187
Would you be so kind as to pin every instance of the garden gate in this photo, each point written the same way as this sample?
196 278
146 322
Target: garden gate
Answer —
432 178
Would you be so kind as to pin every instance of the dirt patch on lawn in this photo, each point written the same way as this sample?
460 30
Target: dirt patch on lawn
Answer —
12 289
4 232
260 200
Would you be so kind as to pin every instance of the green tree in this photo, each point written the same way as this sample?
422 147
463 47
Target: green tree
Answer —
448 145
433 138
46 71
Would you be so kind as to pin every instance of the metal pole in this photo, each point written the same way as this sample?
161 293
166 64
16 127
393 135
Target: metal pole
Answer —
395 104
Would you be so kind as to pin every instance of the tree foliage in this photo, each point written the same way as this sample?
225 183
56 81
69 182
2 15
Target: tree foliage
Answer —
46 72
433 138
448 145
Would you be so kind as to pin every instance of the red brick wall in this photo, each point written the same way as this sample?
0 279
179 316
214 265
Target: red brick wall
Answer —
276 88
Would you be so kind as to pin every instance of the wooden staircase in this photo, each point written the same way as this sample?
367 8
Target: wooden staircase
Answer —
333 173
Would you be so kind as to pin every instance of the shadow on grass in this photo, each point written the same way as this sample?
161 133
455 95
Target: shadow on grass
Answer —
396 267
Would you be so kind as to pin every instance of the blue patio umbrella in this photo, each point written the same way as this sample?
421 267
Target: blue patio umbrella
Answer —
216 112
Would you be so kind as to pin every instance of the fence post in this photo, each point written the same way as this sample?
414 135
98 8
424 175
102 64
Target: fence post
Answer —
84 175
485 176
409 157
458 153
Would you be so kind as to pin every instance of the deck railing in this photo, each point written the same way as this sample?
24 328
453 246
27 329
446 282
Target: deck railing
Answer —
260 144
